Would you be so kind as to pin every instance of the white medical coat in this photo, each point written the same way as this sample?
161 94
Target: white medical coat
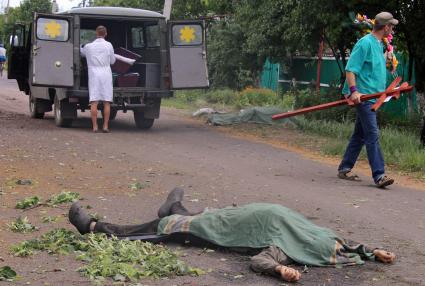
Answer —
100 57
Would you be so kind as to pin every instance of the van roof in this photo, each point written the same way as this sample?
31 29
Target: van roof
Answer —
114 11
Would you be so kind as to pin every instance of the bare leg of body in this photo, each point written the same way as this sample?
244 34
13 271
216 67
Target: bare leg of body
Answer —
384 256
287 273
93 112
106 114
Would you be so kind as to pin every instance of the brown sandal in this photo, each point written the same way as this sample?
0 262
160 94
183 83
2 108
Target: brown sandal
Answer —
348 176
384 182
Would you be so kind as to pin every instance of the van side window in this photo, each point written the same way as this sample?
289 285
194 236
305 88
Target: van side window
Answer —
51 29
187 34
87 36
137 37
152 36
17 39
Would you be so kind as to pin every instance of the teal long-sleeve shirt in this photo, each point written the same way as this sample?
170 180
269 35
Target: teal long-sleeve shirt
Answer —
367 62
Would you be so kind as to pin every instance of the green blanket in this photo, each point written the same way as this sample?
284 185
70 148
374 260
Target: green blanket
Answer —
261 225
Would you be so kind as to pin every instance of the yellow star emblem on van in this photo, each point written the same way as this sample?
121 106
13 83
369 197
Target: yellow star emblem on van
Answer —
187 34
53 29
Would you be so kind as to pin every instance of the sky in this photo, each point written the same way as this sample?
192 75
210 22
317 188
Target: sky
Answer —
63 4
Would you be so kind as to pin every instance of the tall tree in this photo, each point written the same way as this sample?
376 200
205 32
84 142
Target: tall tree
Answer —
23 14
228 64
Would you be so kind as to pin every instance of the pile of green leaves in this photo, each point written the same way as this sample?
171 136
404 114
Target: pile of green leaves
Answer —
63 197
121 260
57 241
7 273
28 203
49 219
125 260
138 186
21 225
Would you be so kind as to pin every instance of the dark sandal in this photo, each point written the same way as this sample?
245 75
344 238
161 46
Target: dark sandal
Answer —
348 176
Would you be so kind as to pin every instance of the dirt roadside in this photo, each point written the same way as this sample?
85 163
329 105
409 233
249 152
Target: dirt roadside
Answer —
216 169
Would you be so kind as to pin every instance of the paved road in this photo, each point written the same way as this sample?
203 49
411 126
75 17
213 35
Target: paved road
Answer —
216 170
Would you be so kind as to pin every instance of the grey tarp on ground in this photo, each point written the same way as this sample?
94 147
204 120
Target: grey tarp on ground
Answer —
260 115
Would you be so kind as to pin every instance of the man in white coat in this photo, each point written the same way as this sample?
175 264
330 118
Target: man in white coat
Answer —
100 56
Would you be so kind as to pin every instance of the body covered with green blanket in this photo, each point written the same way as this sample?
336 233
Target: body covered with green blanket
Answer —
261 225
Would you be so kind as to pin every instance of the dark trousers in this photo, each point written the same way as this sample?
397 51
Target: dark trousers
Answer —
366 133
138 229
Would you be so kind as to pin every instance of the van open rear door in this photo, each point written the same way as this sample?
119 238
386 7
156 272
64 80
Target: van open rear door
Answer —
52 51
188 57
18 55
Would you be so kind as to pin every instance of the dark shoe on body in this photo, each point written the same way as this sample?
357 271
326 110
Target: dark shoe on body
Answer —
79 218
176 195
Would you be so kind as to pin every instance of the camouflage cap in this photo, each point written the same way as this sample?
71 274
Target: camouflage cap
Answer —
385 18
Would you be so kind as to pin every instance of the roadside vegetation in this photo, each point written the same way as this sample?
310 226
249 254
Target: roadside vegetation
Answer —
400 141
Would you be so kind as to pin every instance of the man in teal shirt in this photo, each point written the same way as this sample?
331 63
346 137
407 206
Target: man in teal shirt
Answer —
366 74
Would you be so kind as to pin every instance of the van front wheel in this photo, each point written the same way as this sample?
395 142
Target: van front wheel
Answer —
58 111
141 121
33 106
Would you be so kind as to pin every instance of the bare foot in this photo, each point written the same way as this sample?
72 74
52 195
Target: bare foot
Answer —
384 256
288 274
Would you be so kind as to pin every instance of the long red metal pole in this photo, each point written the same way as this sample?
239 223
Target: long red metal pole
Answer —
402 89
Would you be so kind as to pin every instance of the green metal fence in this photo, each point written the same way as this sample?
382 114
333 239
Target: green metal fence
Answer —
304 72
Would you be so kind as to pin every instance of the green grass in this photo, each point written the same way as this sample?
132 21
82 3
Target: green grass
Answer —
227 99
401 149
195 99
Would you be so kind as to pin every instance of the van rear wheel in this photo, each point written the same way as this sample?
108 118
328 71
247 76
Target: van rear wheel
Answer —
33 106
58 111
141 121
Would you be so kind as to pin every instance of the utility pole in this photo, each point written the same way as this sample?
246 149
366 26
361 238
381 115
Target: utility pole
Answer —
6 11
167 9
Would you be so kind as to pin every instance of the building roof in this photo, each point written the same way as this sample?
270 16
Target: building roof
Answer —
114 11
